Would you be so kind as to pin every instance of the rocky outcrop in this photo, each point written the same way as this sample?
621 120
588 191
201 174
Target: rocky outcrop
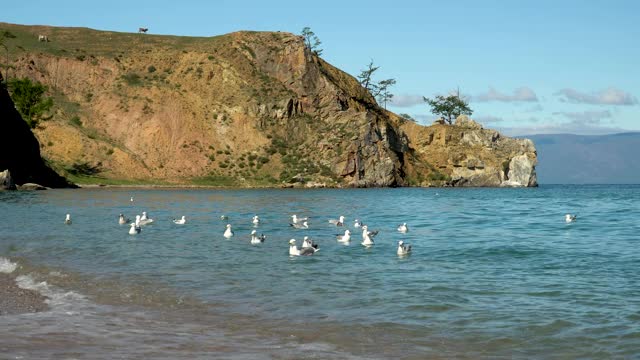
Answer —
6 181
20 150
31 187
465 154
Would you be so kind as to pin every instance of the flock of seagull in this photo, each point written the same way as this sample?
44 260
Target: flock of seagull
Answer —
308 246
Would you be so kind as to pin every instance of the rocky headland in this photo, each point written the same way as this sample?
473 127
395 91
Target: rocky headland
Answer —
242 109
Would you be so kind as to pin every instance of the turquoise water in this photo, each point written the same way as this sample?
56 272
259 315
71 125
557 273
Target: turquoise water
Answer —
493 273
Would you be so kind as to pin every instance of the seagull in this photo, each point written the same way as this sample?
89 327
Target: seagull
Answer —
255 220
228 233
357 223
180 221
294 251
257 239
403 228
296 219
403 249
122 220
570 218
224 217
144 220
339 222
365 231
367 237
344 238
131 199
134 229
67 220
308 243
302 225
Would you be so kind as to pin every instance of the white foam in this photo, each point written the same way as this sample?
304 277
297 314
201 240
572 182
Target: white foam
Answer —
6 266
57 298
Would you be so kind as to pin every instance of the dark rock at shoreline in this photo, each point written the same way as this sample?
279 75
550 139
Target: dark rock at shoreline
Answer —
31 186
20 150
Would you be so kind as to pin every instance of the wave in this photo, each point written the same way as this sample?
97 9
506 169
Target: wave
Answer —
57 299
7 266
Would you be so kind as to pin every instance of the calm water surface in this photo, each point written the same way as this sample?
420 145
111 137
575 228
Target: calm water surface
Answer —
494 273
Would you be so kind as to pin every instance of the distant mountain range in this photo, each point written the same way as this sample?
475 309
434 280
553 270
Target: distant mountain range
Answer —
582 159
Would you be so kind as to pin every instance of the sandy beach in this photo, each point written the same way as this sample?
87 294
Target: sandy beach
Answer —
14 300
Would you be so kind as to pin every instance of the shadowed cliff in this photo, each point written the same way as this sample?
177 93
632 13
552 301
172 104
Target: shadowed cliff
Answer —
20 150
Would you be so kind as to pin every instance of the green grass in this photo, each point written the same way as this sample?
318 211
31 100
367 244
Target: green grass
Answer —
97 180
68 42
216 180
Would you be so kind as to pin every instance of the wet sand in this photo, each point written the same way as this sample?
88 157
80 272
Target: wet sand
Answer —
14 300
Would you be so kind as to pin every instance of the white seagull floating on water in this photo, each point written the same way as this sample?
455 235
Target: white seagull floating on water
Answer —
570 218
357 223
367 236
257 239
181 221
338 222
135 229
144 220
67 220
122 220
345 238
302 225
403 249
365 231
294 251
296 219
308 243
403 228
228 233
255 220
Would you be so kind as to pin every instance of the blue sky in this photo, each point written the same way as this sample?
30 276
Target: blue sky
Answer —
526 66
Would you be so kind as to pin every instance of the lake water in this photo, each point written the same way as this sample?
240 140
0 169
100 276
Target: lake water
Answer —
494 273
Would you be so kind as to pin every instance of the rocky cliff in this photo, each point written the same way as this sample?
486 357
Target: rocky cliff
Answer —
468 155
20 150
244 109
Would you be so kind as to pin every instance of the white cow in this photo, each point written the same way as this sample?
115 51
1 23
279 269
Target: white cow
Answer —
44 38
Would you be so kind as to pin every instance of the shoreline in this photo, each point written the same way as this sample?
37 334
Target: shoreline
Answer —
15 300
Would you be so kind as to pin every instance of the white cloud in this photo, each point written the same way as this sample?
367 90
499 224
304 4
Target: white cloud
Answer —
405 100
535 108
488 119
609 96
523 94
566 128
585 117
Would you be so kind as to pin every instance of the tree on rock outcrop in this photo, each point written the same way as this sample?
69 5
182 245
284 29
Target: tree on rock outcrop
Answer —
311 41
384 95
365 77
29 100
449 107
379 90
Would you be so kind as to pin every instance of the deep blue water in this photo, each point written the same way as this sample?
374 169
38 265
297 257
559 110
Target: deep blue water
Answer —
493 273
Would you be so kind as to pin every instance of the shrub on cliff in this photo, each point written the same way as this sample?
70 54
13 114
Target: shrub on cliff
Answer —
29 100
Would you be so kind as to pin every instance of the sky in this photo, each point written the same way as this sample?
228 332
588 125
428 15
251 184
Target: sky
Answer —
526 67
